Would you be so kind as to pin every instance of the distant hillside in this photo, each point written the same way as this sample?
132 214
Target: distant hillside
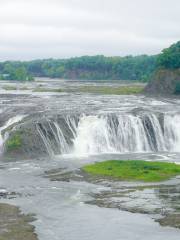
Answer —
140 68
88 68
166 79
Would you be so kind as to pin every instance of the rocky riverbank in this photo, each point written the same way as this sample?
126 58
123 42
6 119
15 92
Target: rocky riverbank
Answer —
14 225
160 200
164 82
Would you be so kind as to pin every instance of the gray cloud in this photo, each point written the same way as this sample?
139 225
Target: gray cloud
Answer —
65 28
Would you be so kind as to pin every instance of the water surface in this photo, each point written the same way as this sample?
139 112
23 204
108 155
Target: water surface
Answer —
99 127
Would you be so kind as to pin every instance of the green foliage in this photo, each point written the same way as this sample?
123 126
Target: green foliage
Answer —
97 67
14 142
122 90
15 71
177 88
87 68
170 57
134 170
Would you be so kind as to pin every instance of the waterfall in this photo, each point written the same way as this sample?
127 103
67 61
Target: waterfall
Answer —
111 134
172 133
115 133
57 137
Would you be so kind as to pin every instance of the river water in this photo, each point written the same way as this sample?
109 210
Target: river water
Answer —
85 128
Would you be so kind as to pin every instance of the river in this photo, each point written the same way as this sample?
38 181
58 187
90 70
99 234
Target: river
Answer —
74 129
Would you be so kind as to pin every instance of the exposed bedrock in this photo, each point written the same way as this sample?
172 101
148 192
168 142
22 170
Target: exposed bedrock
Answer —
164 82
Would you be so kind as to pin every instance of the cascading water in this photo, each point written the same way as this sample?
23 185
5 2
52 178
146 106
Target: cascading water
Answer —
113 134
57 137
92 136
172 133
116 133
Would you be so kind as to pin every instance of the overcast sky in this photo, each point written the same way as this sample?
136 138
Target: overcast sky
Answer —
31 29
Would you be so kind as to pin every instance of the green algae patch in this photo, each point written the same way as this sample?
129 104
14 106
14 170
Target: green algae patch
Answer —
134 170
14 142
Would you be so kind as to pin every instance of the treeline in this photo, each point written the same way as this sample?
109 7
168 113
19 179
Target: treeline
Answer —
86 67
98 67
166 80
170 57
14 71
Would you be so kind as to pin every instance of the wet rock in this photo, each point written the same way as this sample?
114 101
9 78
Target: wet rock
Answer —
14 225
38 136
171 220
4 194
62 174
24 142
165 81
135 197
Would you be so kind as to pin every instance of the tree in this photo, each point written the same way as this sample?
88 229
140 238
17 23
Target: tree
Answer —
170 57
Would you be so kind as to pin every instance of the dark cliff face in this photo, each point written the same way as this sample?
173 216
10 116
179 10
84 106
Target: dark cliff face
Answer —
164 81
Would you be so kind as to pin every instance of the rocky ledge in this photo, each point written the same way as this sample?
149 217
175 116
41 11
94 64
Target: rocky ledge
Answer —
164 81
159 200
14 225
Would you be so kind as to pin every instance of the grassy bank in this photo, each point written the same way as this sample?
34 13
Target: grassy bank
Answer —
40 89
134 170
107 90
122 90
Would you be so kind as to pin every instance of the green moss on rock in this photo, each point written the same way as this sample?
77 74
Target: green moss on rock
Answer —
164 81
134 170
14 142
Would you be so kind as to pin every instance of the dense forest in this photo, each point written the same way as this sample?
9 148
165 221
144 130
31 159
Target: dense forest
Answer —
170 57
98 67
86 67
166 80
14 71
